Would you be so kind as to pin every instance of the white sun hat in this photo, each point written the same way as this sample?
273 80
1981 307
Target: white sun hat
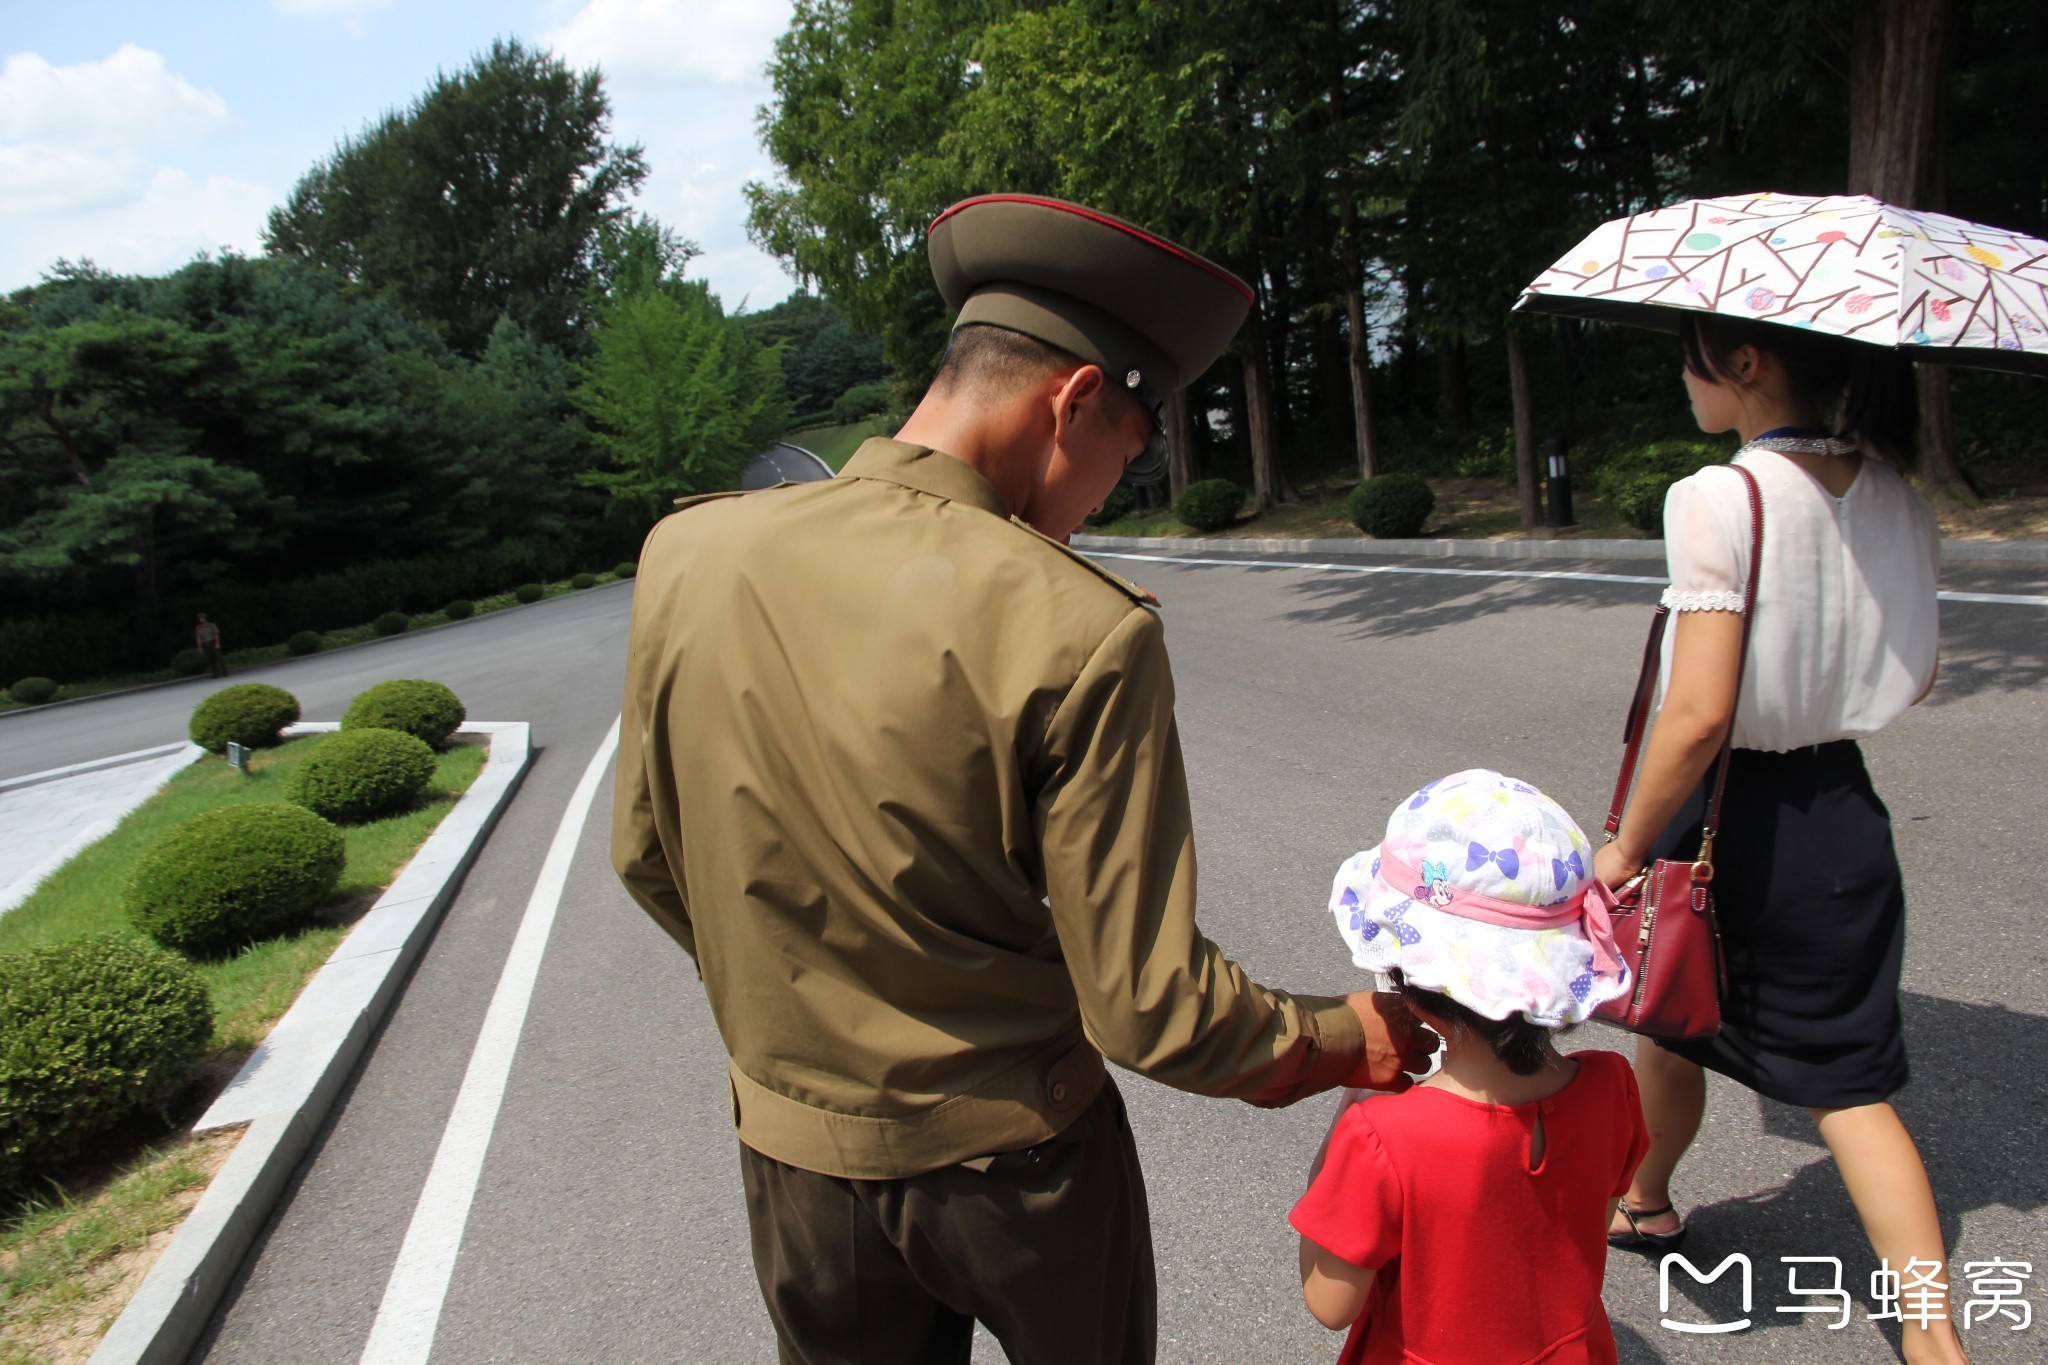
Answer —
1483 889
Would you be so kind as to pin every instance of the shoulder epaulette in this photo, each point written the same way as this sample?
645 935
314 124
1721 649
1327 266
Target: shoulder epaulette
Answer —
1142 596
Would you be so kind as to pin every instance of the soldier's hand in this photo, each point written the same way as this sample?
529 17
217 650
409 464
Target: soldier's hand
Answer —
1396 1042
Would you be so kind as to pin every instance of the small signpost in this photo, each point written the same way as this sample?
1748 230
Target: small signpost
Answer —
238 757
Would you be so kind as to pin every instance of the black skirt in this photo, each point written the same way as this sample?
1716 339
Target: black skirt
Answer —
1813 918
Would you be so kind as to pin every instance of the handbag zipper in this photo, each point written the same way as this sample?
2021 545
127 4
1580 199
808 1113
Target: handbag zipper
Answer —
1655 890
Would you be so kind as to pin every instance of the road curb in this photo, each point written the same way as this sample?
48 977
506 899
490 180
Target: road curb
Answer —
285 1090
322 654
99 765
1952 551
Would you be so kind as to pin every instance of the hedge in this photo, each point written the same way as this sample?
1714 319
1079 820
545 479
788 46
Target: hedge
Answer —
625 568
1391 506
234 875
583 580
92 1032
427 711
254 714
1209 504
461 609
529 592
303 643
1633 485
1120 503
392 623
359 775
188 663
33 691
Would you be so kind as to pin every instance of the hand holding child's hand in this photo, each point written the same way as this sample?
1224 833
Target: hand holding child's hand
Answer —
1396 1043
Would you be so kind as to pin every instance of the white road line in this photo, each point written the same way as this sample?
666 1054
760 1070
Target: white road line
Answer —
1999 598
403 1333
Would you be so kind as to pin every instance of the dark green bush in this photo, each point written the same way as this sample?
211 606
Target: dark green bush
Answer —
425 710
92 1032
583 580
461 609
862 400
188 663
254 714
33 691
1209 504
1633 485
1391 506
625 569
1120 503
361 774
303 643
529 592
234 875
392 623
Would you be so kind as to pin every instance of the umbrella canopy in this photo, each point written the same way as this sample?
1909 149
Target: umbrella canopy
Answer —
1934 286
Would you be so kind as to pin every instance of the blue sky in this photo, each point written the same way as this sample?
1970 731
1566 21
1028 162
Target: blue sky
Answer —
139 134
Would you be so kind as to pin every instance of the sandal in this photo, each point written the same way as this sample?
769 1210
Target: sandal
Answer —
1636 1239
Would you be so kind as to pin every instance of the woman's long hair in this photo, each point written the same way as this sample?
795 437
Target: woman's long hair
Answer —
1871 387
1516 1040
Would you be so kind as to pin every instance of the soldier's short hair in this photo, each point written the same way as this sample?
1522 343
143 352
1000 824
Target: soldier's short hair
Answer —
986 359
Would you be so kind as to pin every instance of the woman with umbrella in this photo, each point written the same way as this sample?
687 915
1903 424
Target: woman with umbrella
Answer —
1777 302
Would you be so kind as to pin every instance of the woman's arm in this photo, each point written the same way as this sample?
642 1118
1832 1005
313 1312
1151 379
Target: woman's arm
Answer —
1334 1289
1699 706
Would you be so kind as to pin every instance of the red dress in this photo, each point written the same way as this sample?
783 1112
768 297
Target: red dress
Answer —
1481 1260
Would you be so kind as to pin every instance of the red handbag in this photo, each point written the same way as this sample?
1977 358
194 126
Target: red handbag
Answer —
1664 925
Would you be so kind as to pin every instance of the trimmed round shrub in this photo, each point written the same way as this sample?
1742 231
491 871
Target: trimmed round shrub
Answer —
234 875
1209 504
1391 506
303 643
1633 485
1120 503
254 714
529 592
425 710
188 663
583 580
392 623
92 1032
461 609
625 569
33 691
361 774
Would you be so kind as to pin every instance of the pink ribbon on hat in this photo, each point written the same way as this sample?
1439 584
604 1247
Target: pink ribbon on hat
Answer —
1591 907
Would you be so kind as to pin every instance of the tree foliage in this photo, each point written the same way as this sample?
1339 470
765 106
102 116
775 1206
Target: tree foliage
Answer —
485 198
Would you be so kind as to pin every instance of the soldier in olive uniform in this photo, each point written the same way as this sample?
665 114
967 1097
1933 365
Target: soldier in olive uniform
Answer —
900 772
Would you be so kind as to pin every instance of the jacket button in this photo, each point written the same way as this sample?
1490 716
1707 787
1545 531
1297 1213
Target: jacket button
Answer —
1059 1092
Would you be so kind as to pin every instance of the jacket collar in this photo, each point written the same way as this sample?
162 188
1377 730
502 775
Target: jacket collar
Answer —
926 470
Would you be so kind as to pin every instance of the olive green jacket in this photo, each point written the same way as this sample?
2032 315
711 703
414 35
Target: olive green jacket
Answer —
902 775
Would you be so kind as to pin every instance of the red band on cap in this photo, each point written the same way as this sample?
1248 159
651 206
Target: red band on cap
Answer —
1168 247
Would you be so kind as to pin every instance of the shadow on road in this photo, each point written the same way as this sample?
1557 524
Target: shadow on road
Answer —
1976 1119
1387 606
1987 648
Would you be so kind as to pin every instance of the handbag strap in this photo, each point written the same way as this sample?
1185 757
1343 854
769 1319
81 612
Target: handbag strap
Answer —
1638 723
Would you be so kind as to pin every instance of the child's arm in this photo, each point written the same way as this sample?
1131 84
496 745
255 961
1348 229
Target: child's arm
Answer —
1334 1289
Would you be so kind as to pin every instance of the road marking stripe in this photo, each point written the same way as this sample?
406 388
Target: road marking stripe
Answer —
403 1333
1998 598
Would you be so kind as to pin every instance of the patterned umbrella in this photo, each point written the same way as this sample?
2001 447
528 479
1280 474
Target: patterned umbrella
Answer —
1936 287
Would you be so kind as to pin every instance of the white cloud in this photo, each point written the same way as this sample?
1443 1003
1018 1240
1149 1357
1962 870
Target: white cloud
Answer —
172 219
127 101
660 44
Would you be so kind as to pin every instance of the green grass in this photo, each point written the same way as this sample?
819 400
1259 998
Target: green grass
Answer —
835 445
251 989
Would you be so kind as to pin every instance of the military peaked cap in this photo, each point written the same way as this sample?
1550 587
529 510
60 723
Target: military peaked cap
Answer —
1152 314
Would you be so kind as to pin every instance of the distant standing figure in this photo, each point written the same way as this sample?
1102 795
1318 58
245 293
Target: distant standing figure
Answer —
206 635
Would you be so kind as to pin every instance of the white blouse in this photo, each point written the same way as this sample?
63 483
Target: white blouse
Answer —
1845 631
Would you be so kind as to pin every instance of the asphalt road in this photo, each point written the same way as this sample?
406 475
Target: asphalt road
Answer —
608 1223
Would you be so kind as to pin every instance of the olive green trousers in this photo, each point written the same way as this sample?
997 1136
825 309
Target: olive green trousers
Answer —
1050 1247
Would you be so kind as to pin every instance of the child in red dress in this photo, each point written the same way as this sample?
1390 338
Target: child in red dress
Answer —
1481 905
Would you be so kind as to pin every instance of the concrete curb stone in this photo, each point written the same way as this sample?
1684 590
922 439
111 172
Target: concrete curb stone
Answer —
285 1089
1952 551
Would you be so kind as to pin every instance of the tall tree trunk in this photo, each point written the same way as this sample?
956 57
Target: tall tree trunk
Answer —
1258 417
1180 443
1898 57
1357 351
1525 430
1453 396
